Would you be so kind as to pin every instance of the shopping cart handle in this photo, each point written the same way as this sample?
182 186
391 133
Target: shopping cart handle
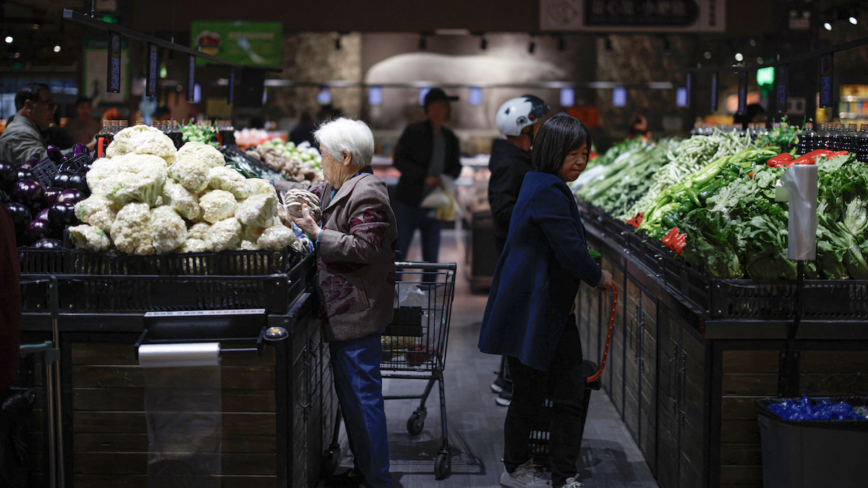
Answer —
427 266
599 373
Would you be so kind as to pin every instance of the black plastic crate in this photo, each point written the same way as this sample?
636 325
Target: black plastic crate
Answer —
822 299
44 172
265 172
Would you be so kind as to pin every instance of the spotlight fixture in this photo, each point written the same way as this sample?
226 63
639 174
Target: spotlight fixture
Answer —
57 49
853 17
667 46
423 42
17 55
739 57
9 39
483 43
562 44
338 43
707 55
753 43
759 60
531 47
608 44
827 26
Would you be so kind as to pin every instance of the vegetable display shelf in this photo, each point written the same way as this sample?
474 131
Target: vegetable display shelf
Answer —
690 355
257 168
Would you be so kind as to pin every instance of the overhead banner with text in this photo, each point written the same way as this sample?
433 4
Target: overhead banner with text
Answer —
633 15
249 43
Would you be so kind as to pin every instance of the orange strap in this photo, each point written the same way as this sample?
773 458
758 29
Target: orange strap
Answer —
599 373
99 149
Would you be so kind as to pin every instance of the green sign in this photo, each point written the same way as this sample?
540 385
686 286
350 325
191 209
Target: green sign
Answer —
247 43
765 76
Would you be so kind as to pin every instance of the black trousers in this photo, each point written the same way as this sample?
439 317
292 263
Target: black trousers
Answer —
564 385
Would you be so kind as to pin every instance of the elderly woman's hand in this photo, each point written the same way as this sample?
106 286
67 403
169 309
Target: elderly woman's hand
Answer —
306 223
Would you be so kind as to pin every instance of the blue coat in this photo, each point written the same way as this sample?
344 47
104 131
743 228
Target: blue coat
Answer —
537 276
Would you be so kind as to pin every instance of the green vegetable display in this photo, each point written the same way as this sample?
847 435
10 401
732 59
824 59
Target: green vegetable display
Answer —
196 132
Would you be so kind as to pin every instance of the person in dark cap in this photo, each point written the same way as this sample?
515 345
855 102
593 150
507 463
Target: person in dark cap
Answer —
426 151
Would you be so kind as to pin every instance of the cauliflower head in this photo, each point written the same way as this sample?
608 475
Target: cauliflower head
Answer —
141 139
206 153
97 211
100 177
198 231
90 238
258 210
261 187
276 237
217 205
248 246
170 230
190 172
138 178
193 245
181 200
251 232
223 178
224 235
131 231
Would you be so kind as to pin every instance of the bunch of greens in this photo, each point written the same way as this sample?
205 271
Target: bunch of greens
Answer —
784 135
617 149
195 132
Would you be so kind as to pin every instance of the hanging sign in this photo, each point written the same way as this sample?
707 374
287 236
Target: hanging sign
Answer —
742 92
826 97
113 79
633 15
689 90
231 86
783 79
248 43
191 78
714 94
153 58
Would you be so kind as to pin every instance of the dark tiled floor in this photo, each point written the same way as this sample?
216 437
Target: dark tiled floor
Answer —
610 458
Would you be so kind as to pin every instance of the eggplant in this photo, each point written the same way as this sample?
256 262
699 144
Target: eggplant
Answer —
8 175
43 215
77 182
48 244
78 149
71 196
50 196
62 214
30 164
60 180
28 192
20 215
24 174
54 154
84 168
35 231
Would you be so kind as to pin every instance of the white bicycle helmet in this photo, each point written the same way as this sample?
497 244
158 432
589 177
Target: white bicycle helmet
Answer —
518 113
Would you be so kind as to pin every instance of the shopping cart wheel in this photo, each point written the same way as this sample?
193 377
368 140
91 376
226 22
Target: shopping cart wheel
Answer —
443 465
416 422
330 459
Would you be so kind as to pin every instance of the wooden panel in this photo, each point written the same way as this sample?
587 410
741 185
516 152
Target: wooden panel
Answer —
137 463
834 362
134 423
141 481
741 475
618 347
132 399
631 412
739 431
648 437
750 361
750 384
739 408
139 443
105 354
232 377
834 384
740 454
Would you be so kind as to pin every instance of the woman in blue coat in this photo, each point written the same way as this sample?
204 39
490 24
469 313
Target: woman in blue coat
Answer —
529 316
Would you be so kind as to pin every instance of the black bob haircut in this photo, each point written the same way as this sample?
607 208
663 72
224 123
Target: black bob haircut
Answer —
558 136
29 92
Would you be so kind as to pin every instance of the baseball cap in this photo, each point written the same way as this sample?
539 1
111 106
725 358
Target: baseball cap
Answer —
436 95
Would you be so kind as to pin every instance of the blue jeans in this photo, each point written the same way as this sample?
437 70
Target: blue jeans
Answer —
411 218
359 387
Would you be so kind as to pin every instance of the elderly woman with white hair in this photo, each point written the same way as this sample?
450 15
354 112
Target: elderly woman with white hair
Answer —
355 250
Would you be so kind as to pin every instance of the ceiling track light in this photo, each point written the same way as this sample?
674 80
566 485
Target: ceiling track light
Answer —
531 47
483 43
562 44
423 42
608 44
828 26
338 43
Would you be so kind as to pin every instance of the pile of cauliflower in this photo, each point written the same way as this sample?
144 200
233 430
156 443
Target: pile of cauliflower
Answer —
148 198
300 164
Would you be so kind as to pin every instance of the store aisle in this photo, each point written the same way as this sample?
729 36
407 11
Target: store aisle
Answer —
610 458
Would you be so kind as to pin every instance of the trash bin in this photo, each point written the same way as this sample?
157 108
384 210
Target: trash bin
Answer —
813 453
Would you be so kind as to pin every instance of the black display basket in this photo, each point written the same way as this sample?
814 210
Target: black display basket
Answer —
266 172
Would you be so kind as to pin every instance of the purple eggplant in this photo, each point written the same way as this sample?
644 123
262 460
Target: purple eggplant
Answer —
71 196
51 195
30 164
36 230
77 182
54 154
20 215
62 214
78 149
60 181
8 175
43 215
28 192
24 174
48 244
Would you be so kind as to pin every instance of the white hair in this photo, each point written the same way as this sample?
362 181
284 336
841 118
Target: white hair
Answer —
352 136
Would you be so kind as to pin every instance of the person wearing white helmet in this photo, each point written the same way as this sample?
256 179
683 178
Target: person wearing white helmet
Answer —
510 161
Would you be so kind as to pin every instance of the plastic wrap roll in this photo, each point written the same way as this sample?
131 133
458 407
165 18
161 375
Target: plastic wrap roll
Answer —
798 186
199 355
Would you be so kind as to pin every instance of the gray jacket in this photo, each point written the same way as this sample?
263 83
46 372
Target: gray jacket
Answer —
21 140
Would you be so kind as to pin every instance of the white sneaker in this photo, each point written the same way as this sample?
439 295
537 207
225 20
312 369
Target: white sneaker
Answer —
528 475
572 483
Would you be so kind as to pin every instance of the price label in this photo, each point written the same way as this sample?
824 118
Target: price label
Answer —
191 78
781 89
113 79
742 92
231 86
826 81
153 58
714 87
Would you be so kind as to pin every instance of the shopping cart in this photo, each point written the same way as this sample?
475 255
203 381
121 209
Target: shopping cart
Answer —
414 348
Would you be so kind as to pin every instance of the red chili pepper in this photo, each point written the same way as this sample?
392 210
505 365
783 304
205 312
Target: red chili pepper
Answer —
779 160
817 153
679 242
667 239
640 218
839 153
750 175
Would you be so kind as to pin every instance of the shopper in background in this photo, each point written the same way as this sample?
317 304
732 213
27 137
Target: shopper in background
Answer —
304 130
510 161
355 250
425 152
58 136
639 127
23 138
528 317
83 127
